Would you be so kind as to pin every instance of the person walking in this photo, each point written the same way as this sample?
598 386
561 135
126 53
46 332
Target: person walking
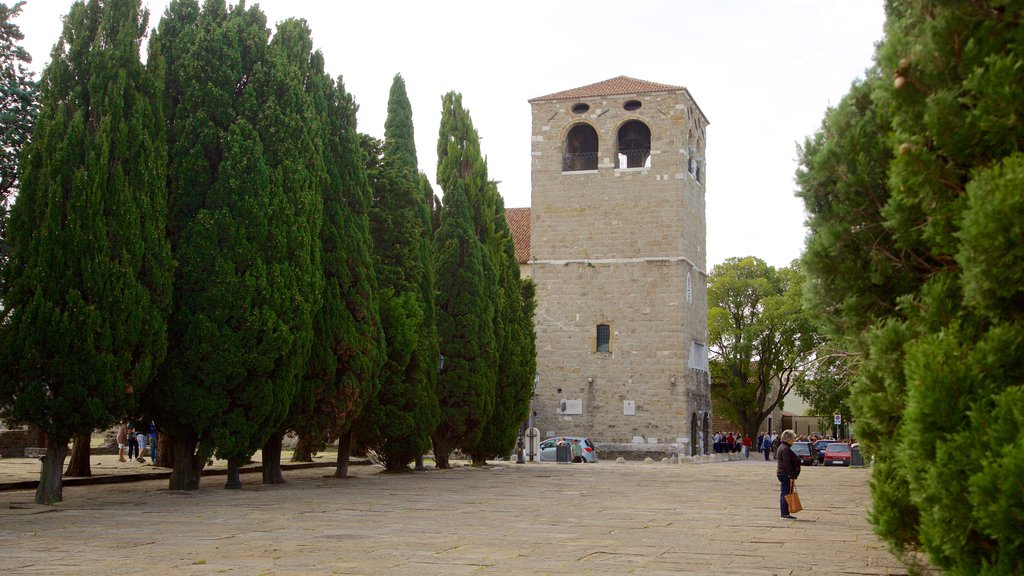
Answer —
787 470
766 445
577 451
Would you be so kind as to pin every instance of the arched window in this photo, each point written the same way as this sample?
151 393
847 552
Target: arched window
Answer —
634 145
580 150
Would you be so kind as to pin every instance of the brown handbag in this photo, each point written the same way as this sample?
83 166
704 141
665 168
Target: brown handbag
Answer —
793 499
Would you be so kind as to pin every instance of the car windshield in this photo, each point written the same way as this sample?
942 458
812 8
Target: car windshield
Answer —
838 448
801 449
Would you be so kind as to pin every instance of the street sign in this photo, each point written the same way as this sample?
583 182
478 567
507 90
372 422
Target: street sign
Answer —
838 418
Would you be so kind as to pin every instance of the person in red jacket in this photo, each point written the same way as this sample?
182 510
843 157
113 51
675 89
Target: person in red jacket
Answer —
787 469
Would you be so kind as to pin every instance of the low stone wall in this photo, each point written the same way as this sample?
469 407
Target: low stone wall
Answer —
676 453
14 442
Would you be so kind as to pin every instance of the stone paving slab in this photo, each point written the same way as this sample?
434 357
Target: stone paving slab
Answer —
505 519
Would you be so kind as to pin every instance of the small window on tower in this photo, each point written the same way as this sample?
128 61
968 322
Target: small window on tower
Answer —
580 108
604 338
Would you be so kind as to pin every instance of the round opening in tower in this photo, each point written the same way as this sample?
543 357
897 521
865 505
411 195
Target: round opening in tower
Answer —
580 108
631 105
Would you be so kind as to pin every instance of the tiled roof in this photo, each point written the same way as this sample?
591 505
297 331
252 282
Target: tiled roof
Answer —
618 86
519 224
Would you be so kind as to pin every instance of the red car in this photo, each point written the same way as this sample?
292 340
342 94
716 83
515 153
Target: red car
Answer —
837 454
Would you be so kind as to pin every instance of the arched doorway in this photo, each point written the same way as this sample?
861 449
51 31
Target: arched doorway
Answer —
693 435
707 432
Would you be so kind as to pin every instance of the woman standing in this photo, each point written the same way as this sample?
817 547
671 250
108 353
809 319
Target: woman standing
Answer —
787 469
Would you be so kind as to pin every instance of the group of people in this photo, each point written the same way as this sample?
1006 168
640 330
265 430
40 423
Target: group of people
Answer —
726 442
139 439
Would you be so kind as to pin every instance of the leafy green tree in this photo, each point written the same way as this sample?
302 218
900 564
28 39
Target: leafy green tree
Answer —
938 323
348 344
88 285
760 339
825 385
465 289
18 109
396 423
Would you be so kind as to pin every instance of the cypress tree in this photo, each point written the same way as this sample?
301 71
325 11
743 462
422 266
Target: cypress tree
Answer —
466 283
935 305
516 346
244 182
88 286
348 343
18 109
397 422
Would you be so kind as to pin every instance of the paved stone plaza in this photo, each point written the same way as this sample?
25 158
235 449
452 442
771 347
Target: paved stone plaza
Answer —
557 519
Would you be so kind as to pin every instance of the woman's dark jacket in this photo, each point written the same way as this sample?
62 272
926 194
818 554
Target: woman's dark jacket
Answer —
788 462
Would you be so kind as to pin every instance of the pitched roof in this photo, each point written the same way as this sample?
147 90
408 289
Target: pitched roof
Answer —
519 225
618 86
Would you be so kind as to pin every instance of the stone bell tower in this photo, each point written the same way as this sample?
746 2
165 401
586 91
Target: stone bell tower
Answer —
618 237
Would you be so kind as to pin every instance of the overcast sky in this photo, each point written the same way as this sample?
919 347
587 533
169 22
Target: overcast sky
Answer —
763 71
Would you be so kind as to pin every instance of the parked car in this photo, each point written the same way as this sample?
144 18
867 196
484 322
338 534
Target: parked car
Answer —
805 450
837 454
548 448
820 446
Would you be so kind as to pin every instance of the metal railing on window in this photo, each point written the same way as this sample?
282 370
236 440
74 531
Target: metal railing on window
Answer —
579 161
636 158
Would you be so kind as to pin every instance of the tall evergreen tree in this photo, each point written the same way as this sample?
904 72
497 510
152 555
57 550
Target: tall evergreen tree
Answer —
244 181
88 285
466 286
911 187
515 343
398 421
348 344
18 109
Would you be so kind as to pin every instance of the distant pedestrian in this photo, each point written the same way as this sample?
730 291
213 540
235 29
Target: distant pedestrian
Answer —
787 470
122 440
577 452
143 440
766 445
746 446
133 443
152 442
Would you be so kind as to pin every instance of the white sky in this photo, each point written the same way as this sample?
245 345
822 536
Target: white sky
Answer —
763 71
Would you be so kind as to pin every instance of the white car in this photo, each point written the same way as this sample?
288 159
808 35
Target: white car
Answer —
548 448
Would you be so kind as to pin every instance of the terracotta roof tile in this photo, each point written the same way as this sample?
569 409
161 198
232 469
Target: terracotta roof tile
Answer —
618 86
519 224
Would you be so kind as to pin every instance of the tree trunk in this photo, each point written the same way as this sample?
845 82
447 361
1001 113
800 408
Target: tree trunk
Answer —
478 459
51 487
164 450
441 451
188 466
81 452
419 463
303 449
234 482
344 450
272 459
